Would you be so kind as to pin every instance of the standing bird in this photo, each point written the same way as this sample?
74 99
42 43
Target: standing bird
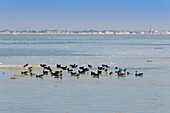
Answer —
90 66
25 65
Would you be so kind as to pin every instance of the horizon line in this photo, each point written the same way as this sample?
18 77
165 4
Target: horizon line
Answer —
151 29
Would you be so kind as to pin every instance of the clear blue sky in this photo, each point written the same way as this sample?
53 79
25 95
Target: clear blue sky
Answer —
85 14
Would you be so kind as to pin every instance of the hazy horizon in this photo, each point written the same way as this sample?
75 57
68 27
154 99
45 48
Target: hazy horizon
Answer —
85 14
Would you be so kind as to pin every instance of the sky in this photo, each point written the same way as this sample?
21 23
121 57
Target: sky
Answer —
85 14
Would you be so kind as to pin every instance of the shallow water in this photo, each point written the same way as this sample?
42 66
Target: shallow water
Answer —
149 54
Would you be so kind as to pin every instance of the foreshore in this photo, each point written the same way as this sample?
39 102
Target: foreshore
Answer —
16 67
11 66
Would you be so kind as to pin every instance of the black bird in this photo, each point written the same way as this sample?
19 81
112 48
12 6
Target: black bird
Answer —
99 72
104 65
120 69
49 68
116 67
32 74
128 73
58 76
81 67
64 68
24 72
107 66
106 70
138 74
77 75
43 65
90 66
100 68
30 68
58 66
81 71
111 73
73 73
85 69
45 72
73 65
95 75
39 76
25 65
120 74
69 70
56 73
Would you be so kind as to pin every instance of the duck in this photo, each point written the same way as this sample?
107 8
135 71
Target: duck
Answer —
111 73
95 75
13 78
138 74
39 76
25 65
120 74
128 73
90 66
73 65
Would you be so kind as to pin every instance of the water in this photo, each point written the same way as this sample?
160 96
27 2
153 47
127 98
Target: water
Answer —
149 54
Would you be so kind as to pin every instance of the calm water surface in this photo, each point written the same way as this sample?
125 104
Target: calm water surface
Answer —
109 94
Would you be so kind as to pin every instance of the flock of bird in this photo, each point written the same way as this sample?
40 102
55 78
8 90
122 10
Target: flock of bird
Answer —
74 70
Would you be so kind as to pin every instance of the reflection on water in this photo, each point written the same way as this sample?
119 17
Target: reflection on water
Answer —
108 94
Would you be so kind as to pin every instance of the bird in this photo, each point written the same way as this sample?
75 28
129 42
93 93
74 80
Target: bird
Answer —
90 66
138 74
111 73
120 74
25 65
128 73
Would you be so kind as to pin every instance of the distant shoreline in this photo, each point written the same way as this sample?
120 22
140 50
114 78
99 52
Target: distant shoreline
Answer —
74 34
84 32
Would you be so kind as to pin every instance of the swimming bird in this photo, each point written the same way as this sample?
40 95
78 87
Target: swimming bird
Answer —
13 78
138 74
39 76
24 72
128 73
